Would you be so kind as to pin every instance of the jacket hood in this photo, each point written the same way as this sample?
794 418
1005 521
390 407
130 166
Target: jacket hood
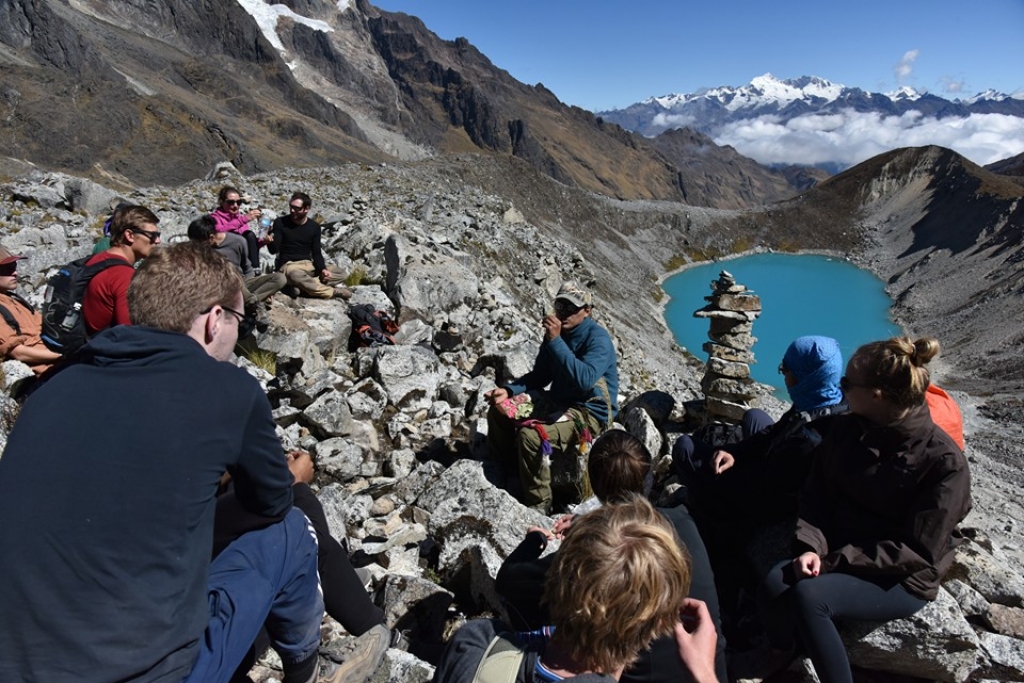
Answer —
817 364
137 345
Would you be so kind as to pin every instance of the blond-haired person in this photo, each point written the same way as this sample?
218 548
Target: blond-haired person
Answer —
879 513
619 581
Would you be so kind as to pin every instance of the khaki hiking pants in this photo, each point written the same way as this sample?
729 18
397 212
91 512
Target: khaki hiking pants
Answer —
305 277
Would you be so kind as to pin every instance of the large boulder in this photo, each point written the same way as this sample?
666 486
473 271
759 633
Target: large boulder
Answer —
935 643
476 526
422 282
409 375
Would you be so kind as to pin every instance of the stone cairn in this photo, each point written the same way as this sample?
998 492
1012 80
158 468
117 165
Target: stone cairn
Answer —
732 309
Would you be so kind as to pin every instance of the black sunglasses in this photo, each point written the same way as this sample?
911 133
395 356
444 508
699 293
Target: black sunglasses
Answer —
782 369
846 384
151 235
296 209
566 308
246 323
233 202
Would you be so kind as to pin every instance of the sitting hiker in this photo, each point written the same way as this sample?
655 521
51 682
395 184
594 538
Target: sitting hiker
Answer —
344 591
229 218
107 526
878 516
295 239
618 582
232 247
577 359
756 481
739 489
133 235
619 466
20 322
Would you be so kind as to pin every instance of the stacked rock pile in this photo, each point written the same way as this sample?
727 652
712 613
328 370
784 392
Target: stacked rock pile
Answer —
732 310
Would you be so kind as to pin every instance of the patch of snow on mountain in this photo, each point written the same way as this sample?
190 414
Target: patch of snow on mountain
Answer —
904 92
343 5
990 94
266 17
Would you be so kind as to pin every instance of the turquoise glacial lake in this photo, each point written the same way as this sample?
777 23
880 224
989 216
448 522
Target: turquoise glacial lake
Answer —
800 295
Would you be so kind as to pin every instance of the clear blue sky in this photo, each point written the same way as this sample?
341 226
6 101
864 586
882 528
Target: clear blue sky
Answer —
603 55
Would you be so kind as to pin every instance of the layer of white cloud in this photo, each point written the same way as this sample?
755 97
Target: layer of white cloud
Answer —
666 121
850 137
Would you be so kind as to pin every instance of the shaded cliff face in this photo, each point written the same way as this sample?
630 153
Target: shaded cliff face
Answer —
159 92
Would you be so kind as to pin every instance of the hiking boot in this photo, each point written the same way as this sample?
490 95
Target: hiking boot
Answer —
342 292
364 658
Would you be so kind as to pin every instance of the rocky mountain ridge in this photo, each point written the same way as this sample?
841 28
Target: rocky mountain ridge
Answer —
468 250
129 92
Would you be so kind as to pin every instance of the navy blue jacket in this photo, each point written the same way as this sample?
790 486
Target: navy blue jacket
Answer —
107 496
572 364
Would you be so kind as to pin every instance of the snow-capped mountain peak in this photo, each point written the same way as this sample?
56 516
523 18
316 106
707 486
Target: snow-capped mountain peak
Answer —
765 90
904 92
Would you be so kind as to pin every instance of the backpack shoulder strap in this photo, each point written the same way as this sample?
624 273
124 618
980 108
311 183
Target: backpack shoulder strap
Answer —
501 661
8 317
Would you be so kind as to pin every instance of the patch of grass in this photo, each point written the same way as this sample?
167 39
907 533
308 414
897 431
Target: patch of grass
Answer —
657 293
356 277
264 360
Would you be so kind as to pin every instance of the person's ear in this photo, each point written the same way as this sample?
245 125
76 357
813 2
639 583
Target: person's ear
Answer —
213 322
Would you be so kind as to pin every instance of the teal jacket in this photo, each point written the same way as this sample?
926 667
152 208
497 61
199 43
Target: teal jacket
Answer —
573 363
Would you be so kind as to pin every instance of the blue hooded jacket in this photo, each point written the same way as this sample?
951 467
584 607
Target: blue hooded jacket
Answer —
817 363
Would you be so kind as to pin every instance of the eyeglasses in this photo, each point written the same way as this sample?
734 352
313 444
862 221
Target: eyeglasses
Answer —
233 202
782 369
151 235
246 323
845 383
565 308
295 209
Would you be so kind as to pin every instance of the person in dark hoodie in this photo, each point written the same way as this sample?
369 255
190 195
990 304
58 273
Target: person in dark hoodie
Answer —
107 498
738 489
878 518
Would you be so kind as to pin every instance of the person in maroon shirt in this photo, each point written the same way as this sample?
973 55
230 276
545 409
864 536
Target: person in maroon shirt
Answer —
133 235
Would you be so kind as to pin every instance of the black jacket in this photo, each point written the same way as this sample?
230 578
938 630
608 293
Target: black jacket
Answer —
884 502
107 496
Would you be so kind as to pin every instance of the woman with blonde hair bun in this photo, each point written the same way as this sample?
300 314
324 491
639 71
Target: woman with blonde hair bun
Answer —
879 512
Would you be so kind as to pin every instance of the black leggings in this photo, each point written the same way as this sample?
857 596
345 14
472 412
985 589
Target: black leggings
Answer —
806 606
345 597
254 249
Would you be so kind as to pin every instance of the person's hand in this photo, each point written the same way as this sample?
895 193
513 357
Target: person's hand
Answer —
497 395
808 564
326 275
722 461
563 525
301 467
552 327
254 214
696 638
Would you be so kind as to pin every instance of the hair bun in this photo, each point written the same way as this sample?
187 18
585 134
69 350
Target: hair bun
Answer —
925 349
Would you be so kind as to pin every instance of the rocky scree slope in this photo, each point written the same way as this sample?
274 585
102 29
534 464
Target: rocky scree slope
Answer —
398 432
